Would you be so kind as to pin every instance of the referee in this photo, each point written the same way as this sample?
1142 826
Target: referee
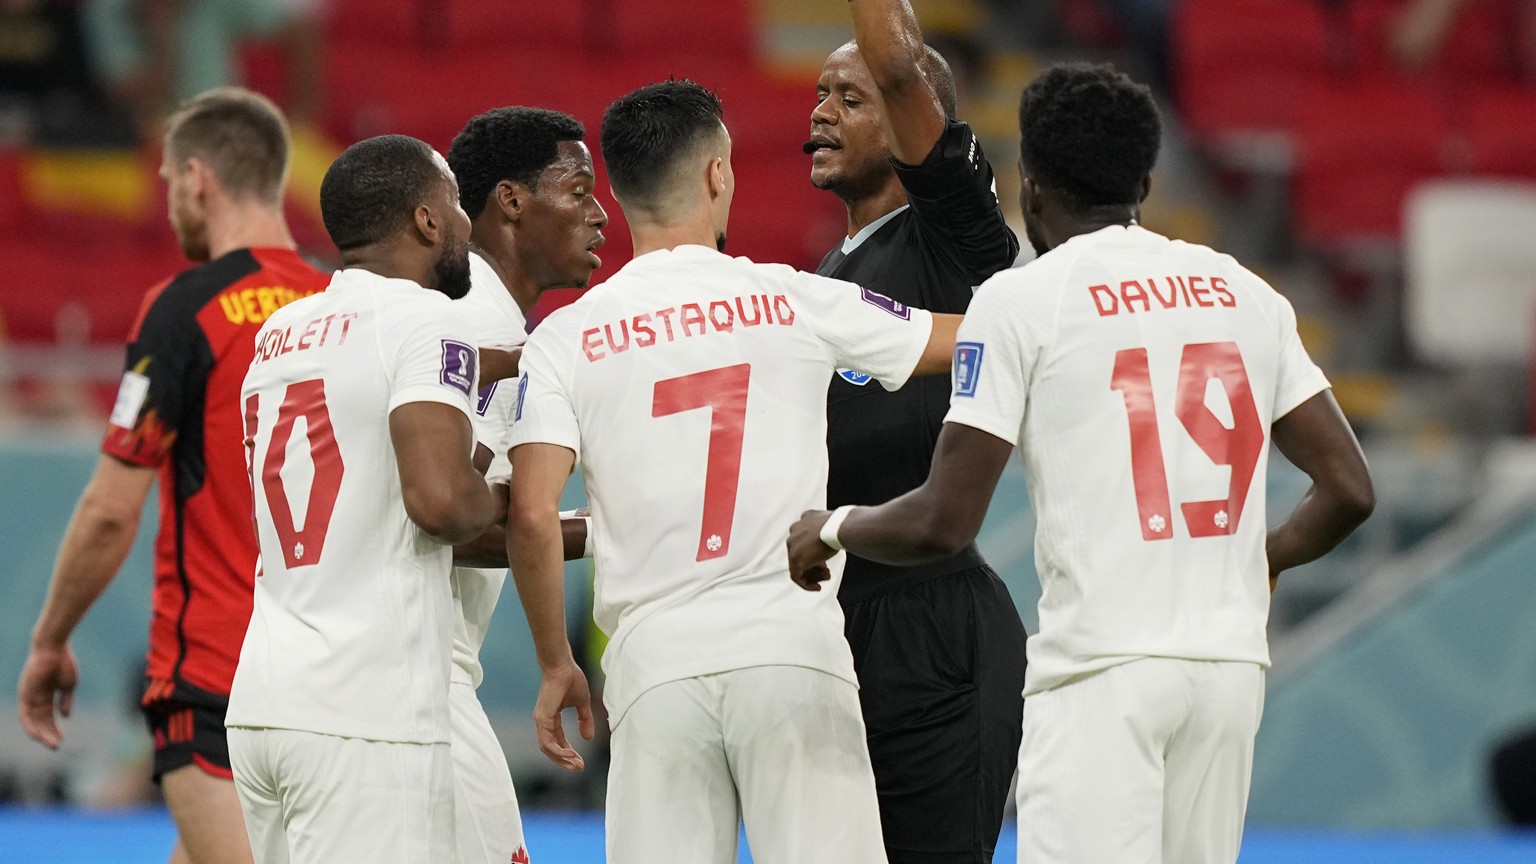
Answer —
939 649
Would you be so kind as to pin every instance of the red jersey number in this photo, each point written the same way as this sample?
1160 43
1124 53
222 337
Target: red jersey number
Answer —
301 546
724 392
1239 447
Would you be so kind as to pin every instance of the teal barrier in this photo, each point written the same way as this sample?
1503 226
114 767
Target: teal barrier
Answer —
1393 727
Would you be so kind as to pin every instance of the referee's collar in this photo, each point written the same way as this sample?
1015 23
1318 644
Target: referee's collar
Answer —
852 243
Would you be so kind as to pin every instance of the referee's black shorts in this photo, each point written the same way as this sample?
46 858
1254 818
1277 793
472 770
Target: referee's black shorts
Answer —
941 682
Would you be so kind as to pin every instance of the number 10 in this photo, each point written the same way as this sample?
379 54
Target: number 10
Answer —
1239 447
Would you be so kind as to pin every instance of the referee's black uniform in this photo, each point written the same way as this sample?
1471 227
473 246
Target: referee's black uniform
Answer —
939 649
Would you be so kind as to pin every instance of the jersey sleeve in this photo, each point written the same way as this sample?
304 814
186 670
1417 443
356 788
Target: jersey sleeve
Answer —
544 412
492 420
954 195
164 378
431 349
865 331
996 350
1299 379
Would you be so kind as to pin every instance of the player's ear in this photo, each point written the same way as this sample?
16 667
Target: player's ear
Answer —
428 226
717 184
198 177
510 197
1146 188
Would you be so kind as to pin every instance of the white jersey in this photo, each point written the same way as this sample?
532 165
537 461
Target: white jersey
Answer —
353 620
1139 377
692 387
499 323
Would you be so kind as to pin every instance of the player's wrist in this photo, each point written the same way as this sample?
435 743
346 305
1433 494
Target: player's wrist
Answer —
586 519
834 524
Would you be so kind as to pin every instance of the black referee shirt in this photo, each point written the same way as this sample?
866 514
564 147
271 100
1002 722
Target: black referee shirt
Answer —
931 255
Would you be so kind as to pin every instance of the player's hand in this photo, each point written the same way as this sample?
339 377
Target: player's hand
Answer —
48 673
807 554
497 364
563 687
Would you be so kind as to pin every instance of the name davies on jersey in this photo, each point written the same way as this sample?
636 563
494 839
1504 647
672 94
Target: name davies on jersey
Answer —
692 319
315 333
1188 292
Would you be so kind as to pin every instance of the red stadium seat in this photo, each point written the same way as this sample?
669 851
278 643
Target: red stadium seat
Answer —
1501 132
1363 147
1242 65
1477 51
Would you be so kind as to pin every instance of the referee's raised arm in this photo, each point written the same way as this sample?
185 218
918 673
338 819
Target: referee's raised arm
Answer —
888 37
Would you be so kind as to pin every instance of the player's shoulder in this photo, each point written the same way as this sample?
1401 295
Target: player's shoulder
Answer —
178 300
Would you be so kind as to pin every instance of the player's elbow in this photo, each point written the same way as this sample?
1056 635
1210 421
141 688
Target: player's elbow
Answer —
108 514
942 534
448 515
1355 497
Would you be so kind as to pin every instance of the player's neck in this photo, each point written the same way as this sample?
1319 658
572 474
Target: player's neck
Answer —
248 226
653 237
513 278
863 211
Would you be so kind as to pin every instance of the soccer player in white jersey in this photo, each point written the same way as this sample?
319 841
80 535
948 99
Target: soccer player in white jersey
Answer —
338 717
691 388
1142 379
526 181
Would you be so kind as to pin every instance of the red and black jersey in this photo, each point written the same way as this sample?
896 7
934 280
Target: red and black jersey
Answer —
178 410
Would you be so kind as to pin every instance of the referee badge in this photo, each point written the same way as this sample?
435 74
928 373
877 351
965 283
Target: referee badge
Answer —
967 367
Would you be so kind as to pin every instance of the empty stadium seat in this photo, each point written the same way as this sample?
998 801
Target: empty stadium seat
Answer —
1501 132
1478 49
1243 65
1471 272
1363 147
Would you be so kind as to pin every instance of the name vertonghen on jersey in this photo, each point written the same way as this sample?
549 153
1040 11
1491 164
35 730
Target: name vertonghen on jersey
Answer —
693 319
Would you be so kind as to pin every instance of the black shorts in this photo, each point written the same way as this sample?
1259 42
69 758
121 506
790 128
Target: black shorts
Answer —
941 683
187 724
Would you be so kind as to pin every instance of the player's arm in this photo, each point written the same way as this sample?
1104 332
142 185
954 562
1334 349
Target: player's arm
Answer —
97 541
490 548
939 354
534 541
1317 438
932 522
498 364
892 47
444 495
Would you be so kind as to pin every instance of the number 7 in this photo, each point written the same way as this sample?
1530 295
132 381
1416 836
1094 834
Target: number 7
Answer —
724 391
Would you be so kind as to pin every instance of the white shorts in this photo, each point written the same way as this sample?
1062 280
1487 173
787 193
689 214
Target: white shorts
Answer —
1142 763
310 798
489 827
779 747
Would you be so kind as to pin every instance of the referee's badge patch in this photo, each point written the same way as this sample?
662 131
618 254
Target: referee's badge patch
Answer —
967 367
852 377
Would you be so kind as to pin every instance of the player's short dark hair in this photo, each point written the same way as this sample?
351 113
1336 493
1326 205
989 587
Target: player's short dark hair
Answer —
240 135
373 188
1089 133
513 143
648 133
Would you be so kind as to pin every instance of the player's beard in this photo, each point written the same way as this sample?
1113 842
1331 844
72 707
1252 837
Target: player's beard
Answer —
720 242
450 274
1033 234
191 234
